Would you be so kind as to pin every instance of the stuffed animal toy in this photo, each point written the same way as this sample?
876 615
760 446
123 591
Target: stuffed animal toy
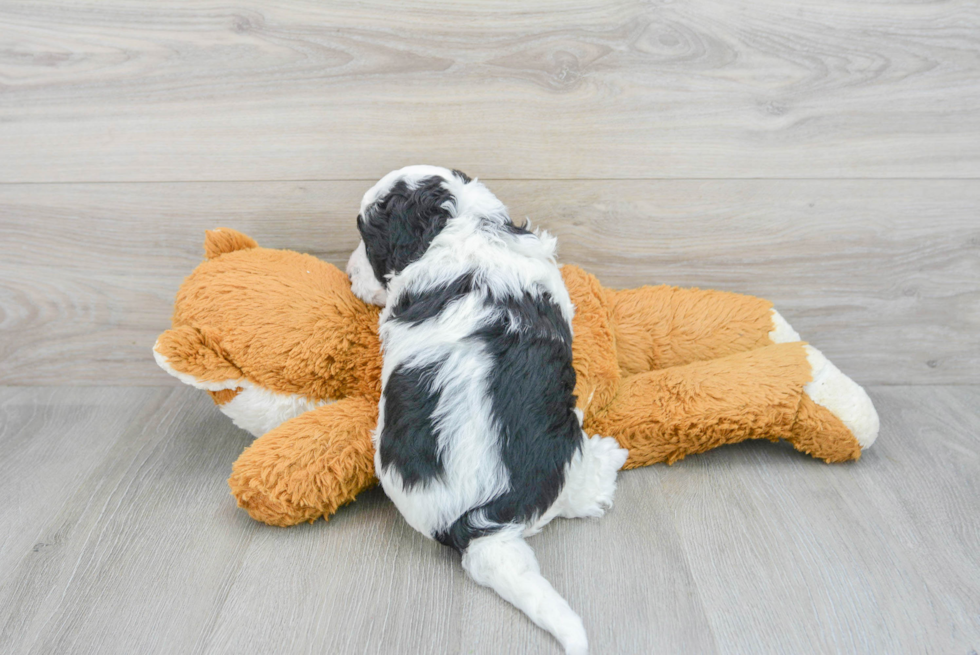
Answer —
290 354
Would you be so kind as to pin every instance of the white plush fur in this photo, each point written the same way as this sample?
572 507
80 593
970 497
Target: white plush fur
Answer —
258 410
255 409
782 331
845 398
474 474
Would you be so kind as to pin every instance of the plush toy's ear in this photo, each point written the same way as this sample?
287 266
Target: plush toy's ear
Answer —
190 356
223 239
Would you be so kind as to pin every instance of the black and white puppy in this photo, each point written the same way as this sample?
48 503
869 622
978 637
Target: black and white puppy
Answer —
478 443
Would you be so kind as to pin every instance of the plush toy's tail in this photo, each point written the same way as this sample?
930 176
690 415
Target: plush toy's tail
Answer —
223 239
504 562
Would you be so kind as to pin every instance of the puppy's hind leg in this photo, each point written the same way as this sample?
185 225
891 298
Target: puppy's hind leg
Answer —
504 562
590 483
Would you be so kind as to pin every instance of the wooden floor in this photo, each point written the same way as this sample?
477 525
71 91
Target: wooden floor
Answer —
825 155
119 536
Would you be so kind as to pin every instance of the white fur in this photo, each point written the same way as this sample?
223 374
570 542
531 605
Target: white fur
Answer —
411 174
844 397
255 409
513 264
782 331
363 283
516 263
508 265
258 410
505 563
590 482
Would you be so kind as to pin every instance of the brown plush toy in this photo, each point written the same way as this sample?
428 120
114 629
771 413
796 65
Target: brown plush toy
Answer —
290 354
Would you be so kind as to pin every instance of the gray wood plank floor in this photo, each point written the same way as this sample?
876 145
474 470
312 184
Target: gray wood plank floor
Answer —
822 154
122 538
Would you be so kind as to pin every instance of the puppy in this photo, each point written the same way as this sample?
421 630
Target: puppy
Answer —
478 443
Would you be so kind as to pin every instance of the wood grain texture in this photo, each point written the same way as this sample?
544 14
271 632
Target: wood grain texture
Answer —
878 556
41 461
206 90
122 569
884 276
750 548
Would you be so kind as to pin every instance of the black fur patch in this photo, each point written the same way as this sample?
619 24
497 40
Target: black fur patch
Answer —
532 393
519 230
409 437
463 177
414 308
398 228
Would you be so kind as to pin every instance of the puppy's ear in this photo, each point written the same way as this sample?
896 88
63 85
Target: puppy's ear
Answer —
398 228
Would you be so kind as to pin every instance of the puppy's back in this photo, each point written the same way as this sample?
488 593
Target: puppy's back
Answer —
530 390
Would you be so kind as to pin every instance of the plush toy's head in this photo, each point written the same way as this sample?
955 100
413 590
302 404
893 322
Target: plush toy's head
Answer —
279 327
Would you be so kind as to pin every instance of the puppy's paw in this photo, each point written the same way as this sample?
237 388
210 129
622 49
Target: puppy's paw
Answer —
591 482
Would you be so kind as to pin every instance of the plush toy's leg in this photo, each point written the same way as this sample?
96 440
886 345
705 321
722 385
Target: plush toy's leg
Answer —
830 389
665 415
308 466
659 327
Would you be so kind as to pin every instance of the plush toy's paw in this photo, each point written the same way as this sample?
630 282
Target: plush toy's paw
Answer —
591 480
844 397
196 359
309 466
831 389
271 504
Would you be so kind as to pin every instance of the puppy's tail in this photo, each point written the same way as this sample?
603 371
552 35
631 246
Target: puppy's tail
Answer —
504 562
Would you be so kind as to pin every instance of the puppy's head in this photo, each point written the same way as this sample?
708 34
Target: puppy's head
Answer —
400 216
